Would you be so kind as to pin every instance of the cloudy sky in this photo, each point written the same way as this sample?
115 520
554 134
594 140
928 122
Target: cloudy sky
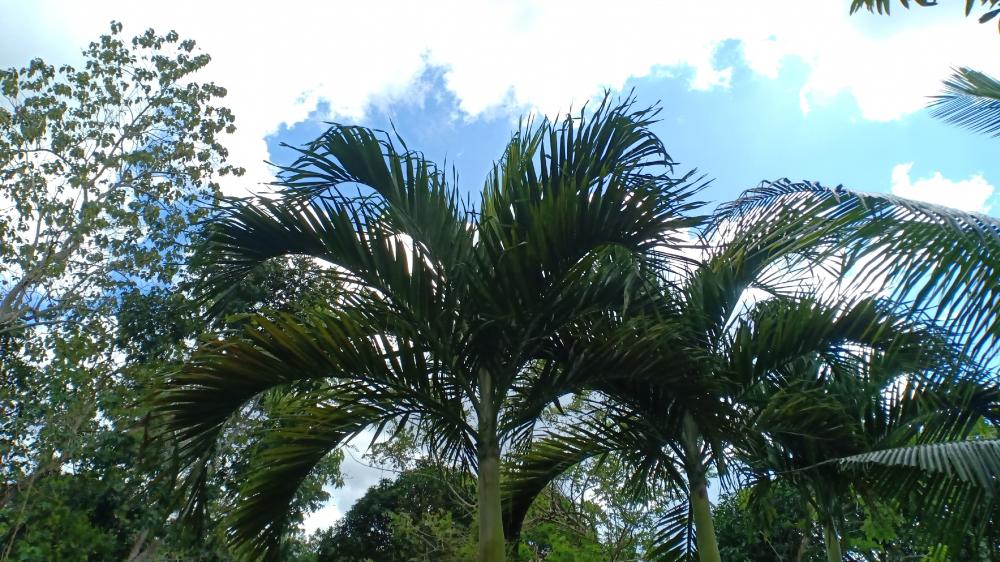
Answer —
749 90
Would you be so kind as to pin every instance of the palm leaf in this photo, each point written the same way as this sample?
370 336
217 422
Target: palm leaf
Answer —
884 6
307 430
971 99
940 261
976 462
528 474
407 190
565 191
675 539
952 487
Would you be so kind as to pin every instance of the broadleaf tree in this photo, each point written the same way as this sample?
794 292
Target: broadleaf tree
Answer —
105 171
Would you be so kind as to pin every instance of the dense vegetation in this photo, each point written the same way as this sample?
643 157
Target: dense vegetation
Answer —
561 368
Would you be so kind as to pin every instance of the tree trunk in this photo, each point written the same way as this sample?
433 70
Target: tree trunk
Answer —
800 555
491 540
704 527
832 542
701 508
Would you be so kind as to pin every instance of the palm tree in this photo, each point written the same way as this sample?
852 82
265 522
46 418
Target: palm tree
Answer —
451 312
784 241
823 423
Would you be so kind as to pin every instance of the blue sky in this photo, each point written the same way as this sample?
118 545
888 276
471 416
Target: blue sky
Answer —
751 131
749 90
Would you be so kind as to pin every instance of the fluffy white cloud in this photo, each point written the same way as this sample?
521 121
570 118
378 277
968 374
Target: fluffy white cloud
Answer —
972 194
279 59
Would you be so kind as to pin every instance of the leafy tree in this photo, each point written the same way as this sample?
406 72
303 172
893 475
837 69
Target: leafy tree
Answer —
427 513
101 173
783 531
453 310
113 497
371 529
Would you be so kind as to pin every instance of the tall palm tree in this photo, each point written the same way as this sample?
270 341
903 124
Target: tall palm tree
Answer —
784 241
452 311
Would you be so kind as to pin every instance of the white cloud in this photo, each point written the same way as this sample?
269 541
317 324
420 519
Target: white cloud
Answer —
972 194
279 59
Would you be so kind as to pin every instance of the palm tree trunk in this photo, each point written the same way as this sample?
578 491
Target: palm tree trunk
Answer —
708 546
701 508
491 541
832 541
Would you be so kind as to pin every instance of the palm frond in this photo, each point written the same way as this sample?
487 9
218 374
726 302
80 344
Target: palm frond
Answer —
675 539
566 190
223 376
339 233
976 462
527 475
307 430
885 6
407 191
951 487
971 99
940 261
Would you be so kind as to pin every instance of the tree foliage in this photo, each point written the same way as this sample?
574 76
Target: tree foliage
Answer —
103 170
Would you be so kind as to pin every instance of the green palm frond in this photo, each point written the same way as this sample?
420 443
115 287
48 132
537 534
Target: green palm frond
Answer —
223 376
407 191
884 6
651 466
675 539
332 231
528 475
951 487
307 430
971 99
940 261
780 331
566 190
976 462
